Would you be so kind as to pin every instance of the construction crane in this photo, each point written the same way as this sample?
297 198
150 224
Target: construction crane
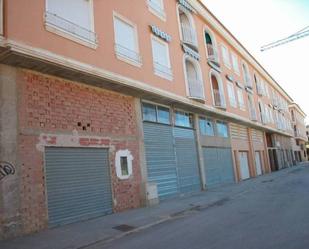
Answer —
300 34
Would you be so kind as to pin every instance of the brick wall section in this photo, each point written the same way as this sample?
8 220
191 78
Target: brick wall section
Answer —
54 106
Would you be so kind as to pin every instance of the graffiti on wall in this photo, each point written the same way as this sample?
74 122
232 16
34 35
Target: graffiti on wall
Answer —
6 169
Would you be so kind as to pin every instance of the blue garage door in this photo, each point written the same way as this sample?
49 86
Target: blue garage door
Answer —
187 164
78 184
161 158
171 157
218 165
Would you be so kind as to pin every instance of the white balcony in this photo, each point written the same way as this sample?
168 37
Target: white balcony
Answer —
65 26
196 89
212 53
189 35
163 71
128 54
219 99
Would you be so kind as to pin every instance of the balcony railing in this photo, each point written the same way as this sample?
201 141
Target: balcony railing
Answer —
188 35
219 99
163 70
157 8
128 54
67 26
196 89
212 53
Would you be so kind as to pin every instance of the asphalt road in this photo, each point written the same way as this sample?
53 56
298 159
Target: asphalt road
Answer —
274 214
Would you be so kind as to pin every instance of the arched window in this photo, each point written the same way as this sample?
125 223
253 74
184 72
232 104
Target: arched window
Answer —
194 79
217 90
208 39
187 28
211 48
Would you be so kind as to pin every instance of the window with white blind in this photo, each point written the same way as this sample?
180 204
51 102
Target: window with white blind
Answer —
263 112
235 63
251 106
240 98
231 94
126 44
247 77
267 90
161 58
157 8
225 56
78 22
271 118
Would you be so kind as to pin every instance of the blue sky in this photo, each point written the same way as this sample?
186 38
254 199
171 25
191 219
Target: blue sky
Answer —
256 23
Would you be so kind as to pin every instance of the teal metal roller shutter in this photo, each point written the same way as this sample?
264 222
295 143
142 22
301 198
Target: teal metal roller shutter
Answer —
187 160
218 165
78 184
160 158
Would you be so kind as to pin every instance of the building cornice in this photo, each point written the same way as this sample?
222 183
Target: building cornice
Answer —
44 56
297 107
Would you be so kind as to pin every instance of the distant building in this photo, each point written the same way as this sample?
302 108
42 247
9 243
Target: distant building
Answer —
307 144
300 135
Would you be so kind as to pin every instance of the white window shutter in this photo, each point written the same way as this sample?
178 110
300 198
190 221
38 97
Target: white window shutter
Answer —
125 35
76 11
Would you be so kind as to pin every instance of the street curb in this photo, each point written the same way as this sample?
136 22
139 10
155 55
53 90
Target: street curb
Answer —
172 216
135 230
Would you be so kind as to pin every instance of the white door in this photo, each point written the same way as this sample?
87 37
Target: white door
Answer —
244 166
258 165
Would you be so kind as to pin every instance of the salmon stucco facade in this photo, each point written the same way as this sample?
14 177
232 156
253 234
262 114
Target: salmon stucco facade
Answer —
108 108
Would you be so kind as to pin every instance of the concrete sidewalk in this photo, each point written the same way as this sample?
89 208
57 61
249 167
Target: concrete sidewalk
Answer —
82 234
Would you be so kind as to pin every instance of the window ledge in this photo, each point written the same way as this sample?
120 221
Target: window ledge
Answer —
161 14
199 99
215 65
220 107
56 30
128 60
163 75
